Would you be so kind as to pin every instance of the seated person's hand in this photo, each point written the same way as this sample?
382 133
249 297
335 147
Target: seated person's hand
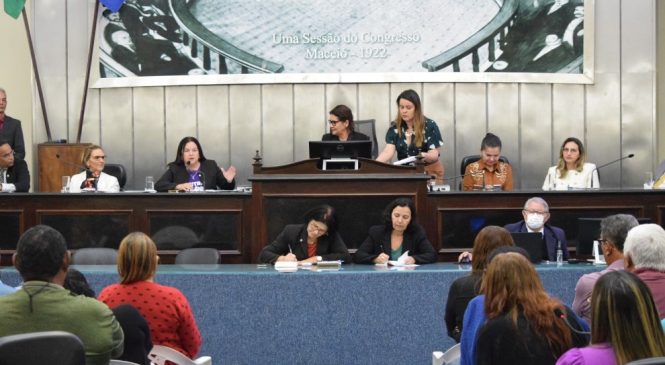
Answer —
409 260
465 257
184 186
311 260
381 259
287 257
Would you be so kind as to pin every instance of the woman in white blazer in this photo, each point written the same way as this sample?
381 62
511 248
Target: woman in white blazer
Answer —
572 172
92 178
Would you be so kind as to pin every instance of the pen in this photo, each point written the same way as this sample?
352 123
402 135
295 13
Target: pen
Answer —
290 250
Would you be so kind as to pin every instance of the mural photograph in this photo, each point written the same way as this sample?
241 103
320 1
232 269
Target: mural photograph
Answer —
314 37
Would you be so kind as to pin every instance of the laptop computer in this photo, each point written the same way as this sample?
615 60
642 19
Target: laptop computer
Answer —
531 243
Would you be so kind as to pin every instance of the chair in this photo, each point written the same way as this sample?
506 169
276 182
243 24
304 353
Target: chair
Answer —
452 356
117 170
368 127
466 160
202 255
159 355
649 361
37 348
95 256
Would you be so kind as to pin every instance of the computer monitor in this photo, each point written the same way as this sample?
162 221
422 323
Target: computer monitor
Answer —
531 242
326 150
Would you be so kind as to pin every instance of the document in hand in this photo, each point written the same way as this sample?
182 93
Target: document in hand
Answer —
405 161
401 261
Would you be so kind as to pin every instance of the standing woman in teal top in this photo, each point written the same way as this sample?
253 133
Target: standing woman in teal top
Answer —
413 134
398 234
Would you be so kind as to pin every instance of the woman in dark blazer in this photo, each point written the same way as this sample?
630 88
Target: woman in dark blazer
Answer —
399 233
191 171
310 242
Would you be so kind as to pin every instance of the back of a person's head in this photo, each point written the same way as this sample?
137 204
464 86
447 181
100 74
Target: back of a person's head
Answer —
616 227
137 258
488 239
76 283
623 314
512 287
39 253
645 247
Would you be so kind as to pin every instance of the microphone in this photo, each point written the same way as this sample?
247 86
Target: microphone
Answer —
202 178
607 164
78 166
559 313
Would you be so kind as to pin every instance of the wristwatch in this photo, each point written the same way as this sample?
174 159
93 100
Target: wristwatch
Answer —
319 258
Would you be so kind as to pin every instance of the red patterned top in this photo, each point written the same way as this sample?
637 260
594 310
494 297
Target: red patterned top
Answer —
166 310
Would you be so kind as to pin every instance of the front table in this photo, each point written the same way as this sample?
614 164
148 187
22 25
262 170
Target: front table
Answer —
357 315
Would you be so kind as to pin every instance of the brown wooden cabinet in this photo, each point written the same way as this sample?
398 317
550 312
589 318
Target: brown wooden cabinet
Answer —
57 160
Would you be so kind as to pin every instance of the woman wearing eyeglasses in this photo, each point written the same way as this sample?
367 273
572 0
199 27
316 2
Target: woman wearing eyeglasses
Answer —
93 178
341 126
313 241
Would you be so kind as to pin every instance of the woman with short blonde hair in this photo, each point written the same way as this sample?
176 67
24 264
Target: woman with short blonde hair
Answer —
165 308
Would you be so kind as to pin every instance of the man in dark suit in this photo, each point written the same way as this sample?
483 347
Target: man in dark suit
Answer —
536 213
10 128
14 174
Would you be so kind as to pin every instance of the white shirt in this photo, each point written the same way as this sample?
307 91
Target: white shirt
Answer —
573 179
106 183
6 187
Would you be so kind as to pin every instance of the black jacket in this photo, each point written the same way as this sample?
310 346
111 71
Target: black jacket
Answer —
211 178
294 236
19 176
378 240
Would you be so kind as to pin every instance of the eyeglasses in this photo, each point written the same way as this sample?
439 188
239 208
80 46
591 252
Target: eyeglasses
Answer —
98 157
334 122
602 241
535 212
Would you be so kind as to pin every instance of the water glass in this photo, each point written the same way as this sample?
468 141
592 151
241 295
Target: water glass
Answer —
65 184
149 184
648 182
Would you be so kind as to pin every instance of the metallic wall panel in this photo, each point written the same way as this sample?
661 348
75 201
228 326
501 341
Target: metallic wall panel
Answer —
50 43
567 116
638 53
213 123
535 135
91 130
179 116
637 127
374 103
503 119
603 118
277 126
245 116
470 119
150 156
310 114
78 39
117 128
439 105
608 33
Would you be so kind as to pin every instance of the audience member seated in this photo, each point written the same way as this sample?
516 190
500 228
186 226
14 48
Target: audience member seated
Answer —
341 126
613 232
165 308
488 173
310 242
474 315
10 129
413 134
624 326
93 178
14 174
191 171
536 213
42 304
137 343
521 327
645 257
467 287
399 234
76 283
572 171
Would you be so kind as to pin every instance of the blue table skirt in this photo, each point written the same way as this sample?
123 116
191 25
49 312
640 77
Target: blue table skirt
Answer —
358 315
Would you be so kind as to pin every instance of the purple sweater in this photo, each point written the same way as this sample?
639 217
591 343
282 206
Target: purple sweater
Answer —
600 354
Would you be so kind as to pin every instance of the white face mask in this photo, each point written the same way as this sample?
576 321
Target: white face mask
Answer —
535 221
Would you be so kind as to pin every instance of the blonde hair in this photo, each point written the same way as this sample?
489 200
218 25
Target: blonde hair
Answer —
137 258
88 152
579 164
